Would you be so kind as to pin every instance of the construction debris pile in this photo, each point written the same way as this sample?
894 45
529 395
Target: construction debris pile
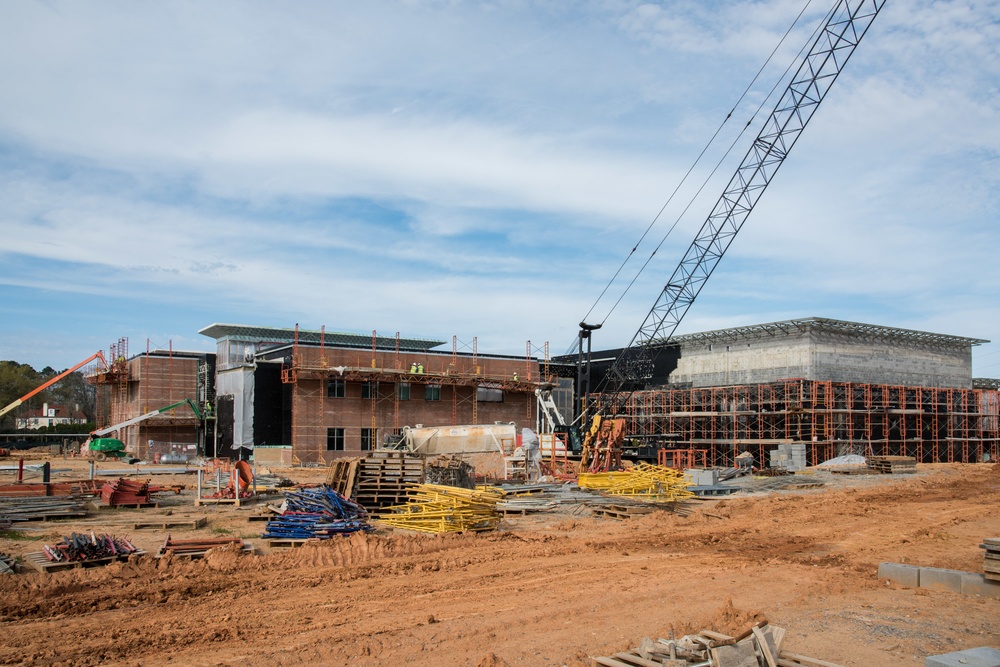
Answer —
645 481
450 471
318 513
125 492
759 646
433 508
83 548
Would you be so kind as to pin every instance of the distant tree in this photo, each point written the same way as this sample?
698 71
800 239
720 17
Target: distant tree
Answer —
16 380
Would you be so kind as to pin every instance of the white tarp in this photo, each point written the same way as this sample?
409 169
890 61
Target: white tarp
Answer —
239 383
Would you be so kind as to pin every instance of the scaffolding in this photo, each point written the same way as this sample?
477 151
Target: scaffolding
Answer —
933 425
129 388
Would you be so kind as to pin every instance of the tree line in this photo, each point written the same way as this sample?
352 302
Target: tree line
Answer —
18 379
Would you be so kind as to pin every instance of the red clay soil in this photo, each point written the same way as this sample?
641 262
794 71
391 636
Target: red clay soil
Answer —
545 590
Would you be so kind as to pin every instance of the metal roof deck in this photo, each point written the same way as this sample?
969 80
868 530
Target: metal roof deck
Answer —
255 334
825 325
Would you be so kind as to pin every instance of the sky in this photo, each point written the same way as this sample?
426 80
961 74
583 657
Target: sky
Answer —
480 170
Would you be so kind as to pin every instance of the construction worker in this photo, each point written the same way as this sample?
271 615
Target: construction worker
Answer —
515 376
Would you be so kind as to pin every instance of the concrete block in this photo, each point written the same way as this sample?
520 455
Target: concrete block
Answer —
974 583
983 656
904 575
936 579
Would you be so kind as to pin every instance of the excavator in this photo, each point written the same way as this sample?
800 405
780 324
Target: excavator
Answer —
834 44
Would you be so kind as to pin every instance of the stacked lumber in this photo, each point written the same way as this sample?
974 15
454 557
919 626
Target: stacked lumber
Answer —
318 513
384 477
436 509
36 508
893 465
991 559
759 646
651 482
125 492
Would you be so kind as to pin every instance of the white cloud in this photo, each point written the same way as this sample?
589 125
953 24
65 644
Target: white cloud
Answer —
491 163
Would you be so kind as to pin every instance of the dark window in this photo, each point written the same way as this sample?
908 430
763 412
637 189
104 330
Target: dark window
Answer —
336 388
403 391
369 390
367 439
489 395
334 439
432 392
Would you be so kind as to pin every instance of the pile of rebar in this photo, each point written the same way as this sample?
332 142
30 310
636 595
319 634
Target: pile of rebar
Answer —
318 513
432 508
648 482
78 547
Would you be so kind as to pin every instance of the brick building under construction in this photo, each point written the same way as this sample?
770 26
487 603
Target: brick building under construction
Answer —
331 394
142 384
837 386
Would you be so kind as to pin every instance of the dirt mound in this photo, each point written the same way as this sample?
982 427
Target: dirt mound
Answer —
727 619
492 660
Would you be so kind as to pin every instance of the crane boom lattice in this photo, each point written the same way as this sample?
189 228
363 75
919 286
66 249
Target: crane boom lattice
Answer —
846 25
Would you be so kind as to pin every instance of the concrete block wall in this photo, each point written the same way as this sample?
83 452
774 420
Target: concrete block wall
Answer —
937 579
791 457
724 364
844 359
816 355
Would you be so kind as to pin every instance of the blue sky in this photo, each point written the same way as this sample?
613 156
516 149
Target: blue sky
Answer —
477 169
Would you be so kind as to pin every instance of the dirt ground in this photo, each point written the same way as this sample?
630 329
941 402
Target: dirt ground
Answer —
547 589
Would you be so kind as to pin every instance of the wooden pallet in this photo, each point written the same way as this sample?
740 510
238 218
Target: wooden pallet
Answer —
621 511
289 543
247 548
38 561
171 523
100 507
893 465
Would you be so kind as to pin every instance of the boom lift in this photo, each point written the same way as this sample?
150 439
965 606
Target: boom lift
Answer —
100 447
846 24
98 355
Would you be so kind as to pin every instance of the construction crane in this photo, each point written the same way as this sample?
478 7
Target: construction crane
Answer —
98 355
846 24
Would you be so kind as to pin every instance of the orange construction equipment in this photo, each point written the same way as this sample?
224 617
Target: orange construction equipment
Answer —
602 448
49 383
